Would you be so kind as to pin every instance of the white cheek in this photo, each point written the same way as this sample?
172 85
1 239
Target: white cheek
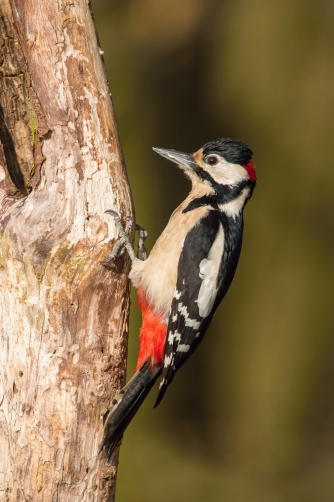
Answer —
228 174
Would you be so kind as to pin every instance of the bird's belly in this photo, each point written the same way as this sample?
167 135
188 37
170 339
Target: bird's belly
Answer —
159 272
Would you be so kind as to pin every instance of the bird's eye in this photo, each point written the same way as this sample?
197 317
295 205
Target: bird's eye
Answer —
211 160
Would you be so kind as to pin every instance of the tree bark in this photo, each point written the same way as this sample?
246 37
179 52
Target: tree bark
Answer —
63 316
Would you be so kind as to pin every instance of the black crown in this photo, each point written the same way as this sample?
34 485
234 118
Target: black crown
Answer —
233 150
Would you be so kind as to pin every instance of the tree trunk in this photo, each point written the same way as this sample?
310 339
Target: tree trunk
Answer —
63 316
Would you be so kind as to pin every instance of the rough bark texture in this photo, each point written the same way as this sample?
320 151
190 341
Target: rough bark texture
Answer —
63 316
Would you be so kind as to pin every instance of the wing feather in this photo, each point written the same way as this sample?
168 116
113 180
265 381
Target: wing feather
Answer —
198 282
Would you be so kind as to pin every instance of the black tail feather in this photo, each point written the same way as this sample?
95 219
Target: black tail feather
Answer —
126 405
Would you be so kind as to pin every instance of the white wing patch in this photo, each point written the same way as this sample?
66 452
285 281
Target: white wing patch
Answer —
209 268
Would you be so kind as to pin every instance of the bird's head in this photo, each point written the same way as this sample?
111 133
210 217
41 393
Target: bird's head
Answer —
223 161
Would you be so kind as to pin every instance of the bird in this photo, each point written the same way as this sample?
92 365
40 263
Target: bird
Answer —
188 272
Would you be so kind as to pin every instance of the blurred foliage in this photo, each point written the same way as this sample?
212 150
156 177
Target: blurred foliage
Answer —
251 415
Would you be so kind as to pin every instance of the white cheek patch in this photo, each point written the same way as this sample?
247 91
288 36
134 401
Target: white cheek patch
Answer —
209 268
227 174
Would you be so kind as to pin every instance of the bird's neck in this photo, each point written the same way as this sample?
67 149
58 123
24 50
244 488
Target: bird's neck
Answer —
230 199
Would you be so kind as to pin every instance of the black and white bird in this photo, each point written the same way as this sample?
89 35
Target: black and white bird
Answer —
188 271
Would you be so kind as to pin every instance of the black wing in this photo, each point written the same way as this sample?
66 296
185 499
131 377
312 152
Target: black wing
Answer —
199 282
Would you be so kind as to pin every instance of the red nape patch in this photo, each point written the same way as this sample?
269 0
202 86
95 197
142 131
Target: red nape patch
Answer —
251 170
152 334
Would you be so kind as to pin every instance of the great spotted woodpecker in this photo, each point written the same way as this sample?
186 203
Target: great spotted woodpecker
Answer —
187 273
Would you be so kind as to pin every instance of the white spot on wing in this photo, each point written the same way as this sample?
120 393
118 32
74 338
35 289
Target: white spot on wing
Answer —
183 310
192 323
183 348
168 360
209 268
173 336
177 294
159 275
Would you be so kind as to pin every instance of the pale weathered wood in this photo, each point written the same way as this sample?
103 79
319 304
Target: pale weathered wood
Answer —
63 316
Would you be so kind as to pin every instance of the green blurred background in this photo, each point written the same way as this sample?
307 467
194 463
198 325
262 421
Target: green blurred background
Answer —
251 415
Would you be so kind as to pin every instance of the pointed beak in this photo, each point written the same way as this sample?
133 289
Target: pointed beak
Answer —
182 159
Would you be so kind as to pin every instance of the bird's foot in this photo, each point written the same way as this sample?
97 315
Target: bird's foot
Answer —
124 241
142 234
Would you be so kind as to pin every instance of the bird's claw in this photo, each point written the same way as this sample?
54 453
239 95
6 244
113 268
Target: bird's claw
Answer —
142 234
122 243
141 231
